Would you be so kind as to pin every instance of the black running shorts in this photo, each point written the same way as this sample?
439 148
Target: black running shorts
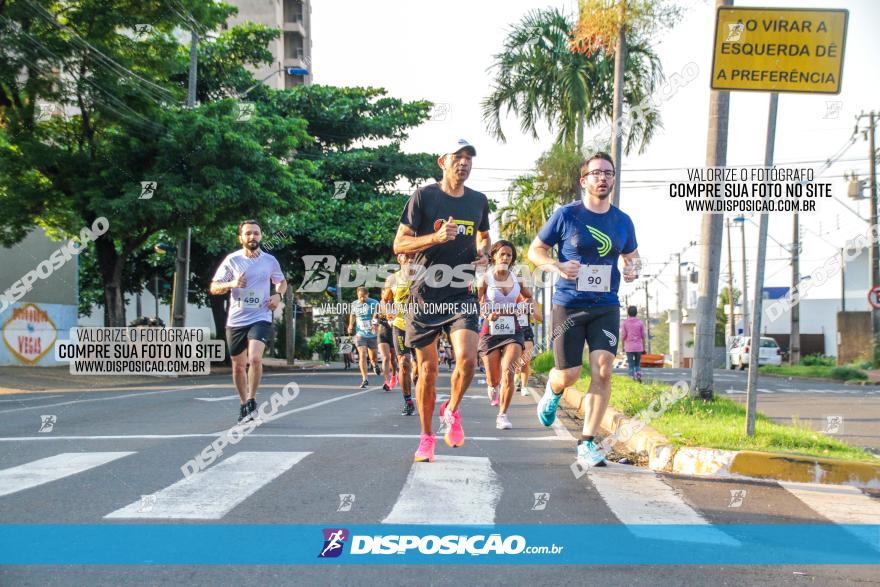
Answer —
237 336
385 334
400 342
598 327
425 322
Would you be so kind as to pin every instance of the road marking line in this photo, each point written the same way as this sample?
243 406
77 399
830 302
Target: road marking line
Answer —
28 399
639 496
280 415
259 435
212 493
841 504
451 490
104 399
53 468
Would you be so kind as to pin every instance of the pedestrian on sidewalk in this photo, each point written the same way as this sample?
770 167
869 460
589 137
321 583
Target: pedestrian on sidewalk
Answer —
633 335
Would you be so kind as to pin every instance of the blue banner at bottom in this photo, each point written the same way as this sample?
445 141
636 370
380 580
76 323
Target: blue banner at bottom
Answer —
602 544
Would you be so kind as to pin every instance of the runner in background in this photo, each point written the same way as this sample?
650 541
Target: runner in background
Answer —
532 314
399 284
386 339
363 322
501 339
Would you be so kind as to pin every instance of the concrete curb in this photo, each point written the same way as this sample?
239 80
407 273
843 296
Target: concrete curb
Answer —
710 462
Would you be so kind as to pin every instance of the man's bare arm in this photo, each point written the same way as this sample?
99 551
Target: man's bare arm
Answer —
406 241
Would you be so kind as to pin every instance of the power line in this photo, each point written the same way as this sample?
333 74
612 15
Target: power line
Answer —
80 42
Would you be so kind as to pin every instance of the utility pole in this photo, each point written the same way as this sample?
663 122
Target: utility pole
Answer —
181 273
752 387
680 320
289 317
711 237
842 280
746 323
794 353
617 108
732 319
647 318
874 251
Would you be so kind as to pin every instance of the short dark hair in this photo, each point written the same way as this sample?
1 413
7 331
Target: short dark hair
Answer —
632 311
497 246
249 221
585 166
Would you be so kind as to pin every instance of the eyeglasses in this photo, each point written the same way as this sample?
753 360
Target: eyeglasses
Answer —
597 173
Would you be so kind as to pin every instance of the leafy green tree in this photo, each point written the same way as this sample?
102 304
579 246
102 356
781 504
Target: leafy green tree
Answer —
125 126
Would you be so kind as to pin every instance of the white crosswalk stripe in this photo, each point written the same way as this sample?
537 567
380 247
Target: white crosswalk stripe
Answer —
52 468
638 497
451 490
211 494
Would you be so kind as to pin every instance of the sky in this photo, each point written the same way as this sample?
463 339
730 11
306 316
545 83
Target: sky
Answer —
442 52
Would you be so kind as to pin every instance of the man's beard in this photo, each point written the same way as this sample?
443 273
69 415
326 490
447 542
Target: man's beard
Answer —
253 246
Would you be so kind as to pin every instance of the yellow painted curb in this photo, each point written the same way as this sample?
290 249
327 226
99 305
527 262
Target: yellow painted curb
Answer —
805 469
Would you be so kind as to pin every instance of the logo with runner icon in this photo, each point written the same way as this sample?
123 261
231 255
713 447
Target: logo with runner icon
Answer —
334 540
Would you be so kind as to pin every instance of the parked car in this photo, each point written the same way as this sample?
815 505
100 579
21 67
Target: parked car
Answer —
769 352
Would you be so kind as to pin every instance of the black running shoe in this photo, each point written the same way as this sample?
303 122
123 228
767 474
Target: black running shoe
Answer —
377 368
518 385
251 406
364 384
409 409
242 413
385 387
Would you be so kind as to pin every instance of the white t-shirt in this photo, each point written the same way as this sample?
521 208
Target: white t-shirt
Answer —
249 304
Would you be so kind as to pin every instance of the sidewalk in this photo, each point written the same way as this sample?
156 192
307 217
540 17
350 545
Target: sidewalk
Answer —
58 379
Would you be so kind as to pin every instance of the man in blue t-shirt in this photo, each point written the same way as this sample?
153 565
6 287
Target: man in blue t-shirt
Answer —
589 235
363 324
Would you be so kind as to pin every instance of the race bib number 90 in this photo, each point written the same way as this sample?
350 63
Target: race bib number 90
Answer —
503 325
595 278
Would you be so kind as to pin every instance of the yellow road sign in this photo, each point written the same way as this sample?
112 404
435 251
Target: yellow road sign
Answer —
779 49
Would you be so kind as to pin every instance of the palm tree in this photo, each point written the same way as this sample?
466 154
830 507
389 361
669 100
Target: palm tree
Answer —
540 79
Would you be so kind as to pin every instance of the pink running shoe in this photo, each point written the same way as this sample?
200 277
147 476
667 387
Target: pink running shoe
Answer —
492 392
454 434
425 453
393 383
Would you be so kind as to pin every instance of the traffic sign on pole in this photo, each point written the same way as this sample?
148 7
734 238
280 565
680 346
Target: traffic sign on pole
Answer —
779 49
874 297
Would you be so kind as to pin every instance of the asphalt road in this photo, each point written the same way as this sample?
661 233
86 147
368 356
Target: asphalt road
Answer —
849 412
115 457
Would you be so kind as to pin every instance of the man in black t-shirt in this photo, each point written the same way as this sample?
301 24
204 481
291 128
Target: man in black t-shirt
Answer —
445 227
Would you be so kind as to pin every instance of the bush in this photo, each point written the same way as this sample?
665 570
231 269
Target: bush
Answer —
543 363
301 350
847 372
818 360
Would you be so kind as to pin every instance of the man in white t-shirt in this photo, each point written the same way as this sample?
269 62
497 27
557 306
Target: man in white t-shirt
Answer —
248 274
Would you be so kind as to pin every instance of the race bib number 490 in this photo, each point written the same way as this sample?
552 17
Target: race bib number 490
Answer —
249 298
594 278
503 325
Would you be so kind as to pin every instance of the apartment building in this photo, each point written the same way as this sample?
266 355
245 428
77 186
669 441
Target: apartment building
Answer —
293 49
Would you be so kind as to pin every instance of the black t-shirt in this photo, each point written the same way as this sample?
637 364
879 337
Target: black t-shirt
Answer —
426 210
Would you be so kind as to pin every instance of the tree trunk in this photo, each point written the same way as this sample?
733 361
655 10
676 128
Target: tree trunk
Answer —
111 265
